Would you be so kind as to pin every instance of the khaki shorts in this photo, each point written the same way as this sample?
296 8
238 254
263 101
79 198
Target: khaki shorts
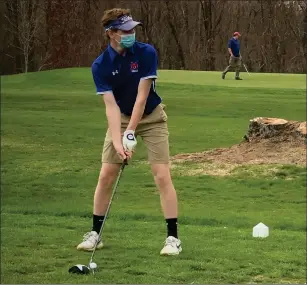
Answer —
152 129
235 61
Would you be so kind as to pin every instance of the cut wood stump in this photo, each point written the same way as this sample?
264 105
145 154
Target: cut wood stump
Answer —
302 130
276 128
268 141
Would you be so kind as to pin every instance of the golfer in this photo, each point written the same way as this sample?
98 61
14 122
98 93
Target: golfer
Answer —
235 60
124 75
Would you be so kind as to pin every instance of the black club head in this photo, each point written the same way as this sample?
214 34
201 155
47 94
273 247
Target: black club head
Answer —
79 269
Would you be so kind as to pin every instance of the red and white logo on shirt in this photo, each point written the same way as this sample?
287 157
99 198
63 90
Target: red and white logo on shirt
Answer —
134 67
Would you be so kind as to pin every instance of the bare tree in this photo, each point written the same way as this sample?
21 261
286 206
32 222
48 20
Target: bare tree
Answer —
24 18
3 41
45 34
174 30
212 13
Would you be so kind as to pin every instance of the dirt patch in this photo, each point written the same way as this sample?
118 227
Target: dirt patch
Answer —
200 168
265 152
268 141
261 279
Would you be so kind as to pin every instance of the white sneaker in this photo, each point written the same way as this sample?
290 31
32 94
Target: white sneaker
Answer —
172 246
89 241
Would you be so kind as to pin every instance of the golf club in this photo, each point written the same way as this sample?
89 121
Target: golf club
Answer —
246 68
83 269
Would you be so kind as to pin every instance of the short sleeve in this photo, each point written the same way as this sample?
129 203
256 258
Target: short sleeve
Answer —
229 43
102 85
149 64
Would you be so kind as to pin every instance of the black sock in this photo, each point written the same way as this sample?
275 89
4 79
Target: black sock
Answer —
172 227
97 223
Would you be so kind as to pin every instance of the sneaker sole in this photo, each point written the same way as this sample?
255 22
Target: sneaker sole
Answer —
170 254
99 246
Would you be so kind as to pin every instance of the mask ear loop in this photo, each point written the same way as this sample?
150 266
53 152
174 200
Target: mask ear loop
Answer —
116 39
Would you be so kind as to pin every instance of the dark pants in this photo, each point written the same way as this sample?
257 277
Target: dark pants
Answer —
234 62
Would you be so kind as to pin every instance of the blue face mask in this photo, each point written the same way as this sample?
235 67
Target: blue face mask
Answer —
127 41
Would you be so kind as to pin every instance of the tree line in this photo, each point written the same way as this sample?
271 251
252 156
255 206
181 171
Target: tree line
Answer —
192 34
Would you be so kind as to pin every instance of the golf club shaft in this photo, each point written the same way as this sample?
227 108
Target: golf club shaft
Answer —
245 66
246 69
109 206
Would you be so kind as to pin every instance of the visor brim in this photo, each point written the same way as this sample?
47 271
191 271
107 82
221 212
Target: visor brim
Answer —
129 25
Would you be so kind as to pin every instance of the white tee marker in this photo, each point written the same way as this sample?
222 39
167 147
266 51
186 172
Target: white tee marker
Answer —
260 230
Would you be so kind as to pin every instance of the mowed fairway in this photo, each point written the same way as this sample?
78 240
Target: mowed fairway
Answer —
52 131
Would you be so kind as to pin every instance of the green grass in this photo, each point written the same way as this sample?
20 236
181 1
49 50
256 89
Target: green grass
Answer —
52 130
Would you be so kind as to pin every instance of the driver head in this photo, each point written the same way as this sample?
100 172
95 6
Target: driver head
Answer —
79 269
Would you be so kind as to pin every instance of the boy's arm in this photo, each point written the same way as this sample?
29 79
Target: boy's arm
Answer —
112 110
149 73
114 119
140 103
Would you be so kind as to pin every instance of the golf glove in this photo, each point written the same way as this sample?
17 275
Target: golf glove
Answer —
129 140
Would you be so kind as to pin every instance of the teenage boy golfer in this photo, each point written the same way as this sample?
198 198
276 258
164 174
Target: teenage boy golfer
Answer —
124 75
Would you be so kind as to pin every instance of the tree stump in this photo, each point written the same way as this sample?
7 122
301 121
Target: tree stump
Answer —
302 130
276 128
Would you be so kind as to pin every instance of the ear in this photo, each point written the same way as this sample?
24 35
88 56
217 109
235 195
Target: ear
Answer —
110 33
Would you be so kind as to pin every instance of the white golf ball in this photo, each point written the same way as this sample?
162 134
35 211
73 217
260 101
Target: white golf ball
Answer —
93 265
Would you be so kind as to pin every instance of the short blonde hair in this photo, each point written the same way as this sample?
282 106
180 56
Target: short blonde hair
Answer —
113 14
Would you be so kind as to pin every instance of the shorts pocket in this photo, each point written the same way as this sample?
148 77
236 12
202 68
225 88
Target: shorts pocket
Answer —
163 113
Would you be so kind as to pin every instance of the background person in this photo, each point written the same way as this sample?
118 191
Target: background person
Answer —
235 60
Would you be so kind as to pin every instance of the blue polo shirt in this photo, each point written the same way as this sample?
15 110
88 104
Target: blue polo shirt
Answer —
234 45
121 75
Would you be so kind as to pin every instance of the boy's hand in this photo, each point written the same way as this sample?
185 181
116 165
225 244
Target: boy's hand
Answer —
129 141
121 152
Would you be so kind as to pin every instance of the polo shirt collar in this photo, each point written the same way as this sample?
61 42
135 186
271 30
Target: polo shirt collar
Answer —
113 53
